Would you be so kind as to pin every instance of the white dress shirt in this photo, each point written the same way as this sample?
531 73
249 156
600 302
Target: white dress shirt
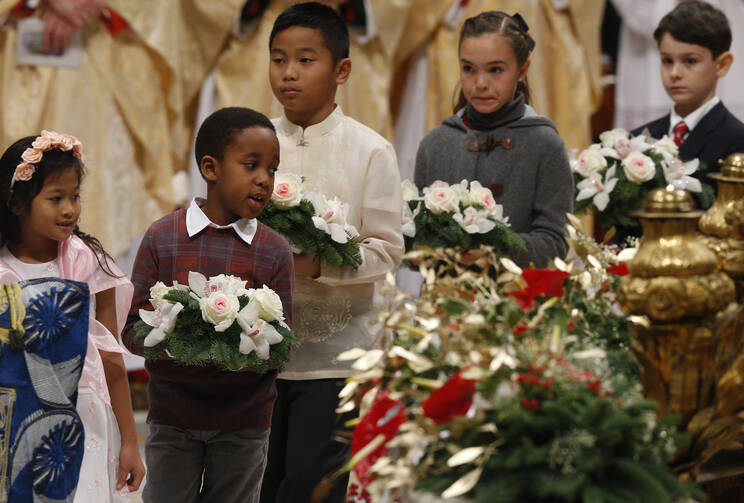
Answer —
693 118
338 311
197 221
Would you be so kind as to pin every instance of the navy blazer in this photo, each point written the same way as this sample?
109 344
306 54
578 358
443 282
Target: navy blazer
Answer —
717 135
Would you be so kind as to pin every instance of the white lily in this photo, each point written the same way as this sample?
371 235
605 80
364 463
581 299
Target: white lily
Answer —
257 335
409 191
408 226
198 285
162 320
677 173
474 221
593 186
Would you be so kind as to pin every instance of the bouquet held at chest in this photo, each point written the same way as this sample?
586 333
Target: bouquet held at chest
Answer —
216 321
462 215
312 223
612 177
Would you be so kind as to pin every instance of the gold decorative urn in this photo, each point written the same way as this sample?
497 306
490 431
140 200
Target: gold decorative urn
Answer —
723 223
673 291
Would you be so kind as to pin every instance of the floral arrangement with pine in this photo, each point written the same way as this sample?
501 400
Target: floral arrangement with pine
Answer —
512 387
462 215
216 321
612 177
312 223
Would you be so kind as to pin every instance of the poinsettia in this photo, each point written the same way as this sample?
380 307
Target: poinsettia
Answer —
384 418
548 282
452 399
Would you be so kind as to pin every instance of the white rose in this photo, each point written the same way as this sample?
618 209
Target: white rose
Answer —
590 160
287 190
666 146
219 309
638 167
226 284
269 304
157 292
441 199
609 138
478 194
409 190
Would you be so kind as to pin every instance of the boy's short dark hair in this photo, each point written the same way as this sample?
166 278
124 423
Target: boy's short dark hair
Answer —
697 23
319 17
219 130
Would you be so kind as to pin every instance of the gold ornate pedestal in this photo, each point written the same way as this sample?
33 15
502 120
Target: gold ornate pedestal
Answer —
675 290
689 335
723 223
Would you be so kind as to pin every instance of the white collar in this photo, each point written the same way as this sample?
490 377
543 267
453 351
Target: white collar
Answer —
693 118
321 128
197 221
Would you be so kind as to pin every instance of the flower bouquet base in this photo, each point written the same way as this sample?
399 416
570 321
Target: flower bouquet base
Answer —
216 322
312 223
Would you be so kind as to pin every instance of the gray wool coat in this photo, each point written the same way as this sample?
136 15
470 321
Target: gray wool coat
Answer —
533 175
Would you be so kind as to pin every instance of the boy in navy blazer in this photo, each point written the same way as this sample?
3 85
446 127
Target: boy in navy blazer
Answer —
694 41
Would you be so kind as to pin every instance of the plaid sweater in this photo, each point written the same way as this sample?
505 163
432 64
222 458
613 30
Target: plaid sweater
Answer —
207 398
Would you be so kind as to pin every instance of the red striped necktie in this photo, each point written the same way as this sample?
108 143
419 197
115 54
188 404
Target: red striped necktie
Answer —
680 133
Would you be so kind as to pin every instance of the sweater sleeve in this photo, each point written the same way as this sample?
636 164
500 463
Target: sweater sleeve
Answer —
282 281
421 170
144 275
380 237
553 199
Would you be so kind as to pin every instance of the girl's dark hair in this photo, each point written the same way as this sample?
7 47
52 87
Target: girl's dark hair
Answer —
52 163
512 28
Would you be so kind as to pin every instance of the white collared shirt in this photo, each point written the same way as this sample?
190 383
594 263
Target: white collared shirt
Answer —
693 118
197 221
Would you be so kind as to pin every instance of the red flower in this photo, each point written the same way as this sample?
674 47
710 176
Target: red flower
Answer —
620 269
530 403
547 282
548 383
384 417
595 386
570 326
528 378
452 399
520 328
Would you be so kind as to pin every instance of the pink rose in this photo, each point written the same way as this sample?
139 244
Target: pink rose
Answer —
24 172
65 142
53 137
42 143
31 155
623 147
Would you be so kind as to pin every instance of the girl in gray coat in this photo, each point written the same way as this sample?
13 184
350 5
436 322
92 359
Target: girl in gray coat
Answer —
496 138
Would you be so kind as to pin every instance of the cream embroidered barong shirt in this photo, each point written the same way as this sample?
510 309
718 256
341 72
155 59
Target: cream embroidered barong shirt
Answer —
338 311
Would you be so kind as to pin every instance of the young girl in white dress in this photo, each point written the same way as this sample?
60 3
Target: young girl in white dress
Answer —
40 192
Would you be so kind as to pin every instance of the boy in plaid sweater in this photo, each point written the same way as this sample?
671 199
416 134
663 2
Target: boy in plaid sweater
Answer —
209 428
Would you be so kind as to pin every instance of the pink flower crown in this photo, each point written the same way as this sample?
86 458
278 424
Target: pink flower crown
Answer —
48 140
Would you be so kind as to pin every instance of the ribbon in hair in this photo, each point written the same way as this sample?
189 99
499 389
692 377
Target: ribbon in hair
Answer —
524 27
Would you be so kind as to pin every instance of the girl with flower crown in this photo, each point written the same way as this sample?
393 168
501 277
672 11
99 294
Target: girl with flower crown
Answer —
497 139
40 180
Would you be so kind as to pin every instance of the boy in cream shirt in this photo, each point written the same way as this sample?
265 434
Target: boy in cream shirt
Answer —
334 309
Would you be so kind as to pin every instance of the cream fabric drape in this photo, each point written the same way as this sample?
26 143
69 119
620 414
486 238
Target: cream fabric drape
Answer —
129 103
